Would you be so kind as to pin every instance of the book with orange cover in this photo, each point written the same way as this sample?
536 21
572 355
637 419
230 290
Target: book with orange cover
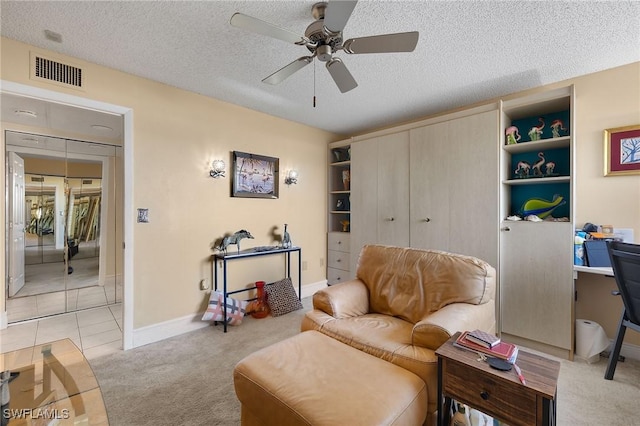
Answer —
503 350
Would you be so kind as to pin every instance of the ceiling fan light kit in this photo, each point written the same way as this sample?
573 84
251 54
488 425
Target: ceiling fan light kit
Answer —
323 38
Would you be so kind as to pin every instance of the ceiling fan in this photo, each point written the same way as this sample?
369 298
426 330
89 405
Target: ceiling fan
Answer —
324 38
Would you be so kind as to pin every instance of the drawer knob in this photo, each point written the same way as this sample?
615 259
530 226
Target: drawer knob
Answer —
427 219
506 228
484 395
338 260
390 219
339 242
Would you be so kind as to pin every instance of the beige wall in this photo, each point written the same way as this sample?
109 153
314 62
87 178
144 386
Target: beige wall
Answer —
176 136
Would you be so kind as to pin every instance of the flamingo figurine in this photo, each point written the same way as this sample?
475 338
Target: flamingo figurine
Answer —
537 166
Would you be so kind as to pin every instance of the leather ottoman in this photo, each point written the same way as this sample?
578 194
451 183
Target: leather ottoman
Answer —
312 379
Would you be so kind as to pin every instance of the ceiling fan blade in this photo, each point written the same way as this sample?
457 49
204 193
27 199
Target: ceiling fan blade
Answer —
385 43
337 14
255 25
341 75
286 71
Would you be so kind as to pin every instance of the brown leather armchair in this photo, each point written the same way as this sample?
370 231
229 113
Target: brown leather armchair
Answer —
404 304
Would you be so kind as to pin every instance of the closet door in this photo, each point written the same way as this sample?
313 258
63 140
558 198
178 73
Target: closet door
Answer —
364 197
430 189
379 193
473 182
393 189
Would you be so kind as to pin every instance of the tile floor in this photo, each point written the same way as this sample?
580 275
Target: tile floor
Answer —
40 305
96 332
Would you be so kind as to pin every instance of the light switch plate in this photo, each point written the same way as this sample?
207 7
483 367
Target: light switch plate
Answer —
143 215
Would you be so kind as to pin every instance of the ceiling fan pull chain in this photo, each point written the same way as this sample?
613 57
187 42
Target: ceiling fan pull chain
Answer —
314 84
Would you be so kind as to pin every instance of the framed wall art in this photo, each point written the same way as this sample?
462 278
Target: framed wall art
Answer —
254 176
622 151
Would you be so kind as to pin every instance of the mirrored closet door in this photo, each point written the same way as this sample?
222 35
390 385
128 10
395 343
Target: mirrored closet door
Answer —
64 225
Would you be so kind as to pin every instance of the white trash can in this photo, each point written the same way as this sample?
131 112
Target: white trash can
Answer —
590 340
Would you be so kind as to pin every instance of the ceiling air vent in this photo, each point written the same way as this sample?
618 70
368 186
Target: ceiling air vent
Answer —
53 71
87 181
37 179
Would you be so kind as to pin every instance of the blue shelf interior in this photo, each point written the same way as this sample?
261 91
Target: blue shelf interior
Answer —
525 124
560 156
521 193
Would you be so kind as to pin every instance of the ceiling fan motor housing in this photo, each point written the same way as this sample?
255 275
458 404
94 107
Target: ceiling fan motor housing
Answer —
323 42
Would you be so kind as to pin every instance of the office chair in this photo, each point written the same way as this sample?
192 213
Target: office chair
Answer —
625 261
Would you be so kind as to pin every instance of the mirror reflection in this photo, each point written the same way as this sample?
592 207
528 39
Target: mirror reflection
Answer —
66 205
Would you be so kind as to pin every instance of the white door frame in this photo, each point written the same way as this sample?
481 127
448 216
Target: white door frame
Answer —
18 89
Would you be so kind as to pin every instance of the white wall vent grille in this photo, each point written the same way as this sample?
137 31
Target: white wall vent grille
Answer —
54 71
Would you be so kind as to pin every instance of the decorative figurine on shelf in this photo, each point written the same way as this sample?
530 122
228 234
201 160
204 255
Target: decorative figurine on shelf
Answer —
522 171
512 135
535 134
233 239
346 179
345 225
556 126
540 207
549 167
286 238
537 166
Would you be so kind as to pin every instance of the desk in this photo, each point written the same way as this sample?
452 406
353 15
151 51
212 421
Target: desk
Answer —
55 384
250 253
592 270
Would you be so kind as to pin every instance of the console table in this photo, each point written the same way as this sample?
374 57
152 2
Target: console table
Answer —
251 253
500 394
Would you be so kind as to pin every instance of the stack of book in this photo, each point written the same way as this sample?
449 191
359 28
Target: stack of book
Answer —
488 344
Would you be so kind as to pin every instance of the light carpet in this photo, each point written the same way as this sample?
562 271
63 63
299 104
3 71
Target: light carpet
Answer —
188 379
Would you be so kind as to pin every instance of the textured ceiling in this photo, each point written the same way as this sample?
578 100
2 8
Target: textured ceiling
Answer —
468 51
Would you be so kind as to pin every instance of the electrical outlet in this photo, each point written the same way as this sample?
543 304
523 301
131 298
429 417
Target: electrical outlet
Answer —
304 265
204 284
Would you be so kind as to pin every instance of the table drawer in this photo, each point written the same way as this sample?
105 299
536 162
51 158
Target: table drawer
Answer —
335 276
338 260
512 402
338 241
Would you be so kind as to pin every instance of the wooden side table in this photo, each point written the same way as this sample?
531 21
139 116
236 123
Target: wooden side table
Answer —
500 394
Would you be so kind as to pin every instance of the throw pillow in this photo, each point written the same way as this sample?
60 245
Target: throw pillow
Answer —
235 309
282 297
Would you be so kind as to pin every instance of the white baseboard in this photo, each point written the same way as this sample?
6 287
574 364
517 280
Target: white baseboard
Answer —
630 351
163 330
310 289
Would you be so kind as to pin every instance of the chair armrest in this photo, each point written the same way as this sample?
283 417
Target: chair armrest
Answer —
437 328
344 300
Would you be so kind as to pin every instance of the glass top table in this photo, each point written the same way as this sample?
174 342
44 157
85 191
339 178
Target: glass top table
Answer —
50 384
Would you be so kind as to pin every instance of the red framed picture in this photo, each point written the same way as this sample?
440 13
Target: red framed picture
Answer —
622 151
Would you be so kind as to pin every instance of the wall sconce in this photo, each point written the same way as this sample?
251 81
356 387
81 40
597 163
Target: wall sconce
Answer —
217 169
292 177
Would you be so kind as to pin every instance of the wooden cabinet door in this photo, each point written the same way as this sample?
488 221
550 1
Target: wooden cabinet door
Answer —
429 187
536 281
379 193
393 189
473 176
364 197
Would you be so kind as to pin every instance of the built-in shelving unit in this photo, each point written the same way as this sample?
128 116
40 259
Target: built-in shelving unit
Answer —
536 260
339 212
